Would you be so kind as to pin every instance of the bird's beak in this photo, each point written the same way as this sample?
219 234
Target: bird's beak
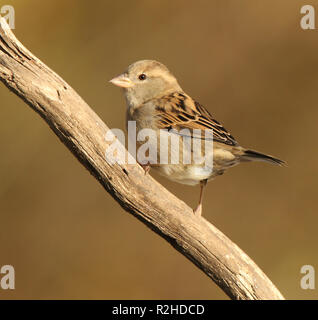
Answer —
122 81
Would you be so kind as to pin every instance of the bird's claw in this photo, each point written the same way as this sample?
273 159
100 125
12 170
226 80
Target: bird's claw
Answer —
198 211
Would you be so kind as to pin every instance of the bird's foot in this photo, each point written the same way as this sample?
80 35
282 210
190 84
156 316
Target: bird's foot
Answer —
146 168
198 211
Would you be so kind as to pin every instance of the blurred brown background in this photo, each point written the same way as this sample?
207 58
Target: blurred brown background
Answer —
248 62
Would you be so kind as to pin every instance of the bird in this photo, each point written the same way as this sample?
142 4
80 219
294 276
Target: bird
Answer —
156 101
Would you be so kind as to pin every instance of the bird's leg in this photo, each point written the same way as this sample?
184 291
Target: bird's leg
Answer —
198 210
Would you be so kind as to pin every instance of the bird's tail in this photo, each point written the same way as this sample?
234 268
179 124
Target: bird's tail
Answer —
250 155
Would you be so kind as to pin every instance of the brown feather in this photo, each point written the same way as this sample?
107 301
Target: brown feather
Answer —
179 111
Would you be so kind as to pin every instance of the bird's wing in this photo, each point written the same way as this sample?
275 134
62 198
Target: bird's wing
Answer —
178 111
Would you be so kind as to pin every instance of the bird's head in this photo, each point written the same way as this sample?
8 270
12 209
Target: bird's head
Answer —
145 80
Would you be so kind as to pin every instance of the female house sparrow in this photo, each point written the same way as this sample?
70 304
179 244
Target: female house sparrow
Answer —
156 101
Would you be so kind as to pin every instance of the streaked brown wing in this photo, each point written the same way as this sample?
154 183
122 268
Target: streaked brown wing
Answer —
178 111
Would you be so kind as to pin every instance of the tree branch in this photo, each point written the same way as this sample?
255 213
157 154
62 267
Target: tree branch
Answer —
83 132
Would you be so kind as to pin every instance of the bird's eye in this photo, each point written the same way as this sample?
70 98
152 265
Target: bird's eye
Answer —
142 77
